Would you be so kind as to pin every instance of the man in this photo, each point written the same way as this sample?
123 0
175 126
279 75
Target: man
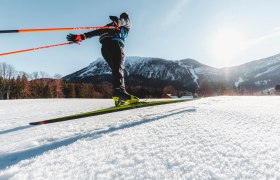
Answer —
112 41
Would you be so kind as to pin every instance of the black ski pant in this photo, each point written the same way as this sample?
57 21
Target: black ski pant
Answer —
113 53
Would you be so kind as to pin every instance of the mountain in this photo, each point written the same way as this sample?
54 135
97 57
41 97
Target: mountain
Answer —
256 75
143 71
260 74
186 74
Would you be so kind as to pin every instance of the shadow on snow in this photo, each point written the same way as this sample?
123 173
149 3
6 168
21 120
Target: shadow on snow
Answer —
15 129
15 157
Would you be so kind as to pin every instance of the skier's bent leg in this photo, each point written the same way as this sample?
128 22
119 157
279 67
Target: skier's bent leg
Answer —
120 95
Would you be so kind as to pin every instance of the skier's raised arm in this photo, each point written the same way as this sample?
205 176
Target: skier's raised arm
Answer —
120 23
81 37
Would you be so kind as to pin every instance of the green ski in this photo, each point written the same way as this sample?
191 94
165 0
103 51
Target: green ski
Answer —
109 110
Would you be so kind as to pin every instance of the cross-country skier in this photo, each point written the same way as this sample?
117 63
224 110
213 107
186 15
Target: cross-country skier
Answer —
112 41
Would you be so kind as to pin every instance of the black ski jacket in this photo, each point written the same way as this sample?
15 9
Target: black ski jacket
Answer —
107 35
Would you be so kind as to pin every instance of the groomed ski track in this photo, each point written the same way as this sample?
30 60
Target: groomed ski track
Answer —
211 138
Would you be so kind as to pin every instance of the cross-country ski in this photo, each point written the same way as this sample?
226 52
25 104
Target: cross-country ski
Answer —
137 105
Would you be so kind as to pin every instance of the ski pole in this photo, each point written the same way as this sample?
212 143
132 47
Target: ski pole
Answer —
57 29
35 49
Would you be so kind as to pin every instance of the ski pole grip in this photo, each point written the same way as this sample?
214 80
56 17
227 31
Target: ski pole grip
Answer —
8 31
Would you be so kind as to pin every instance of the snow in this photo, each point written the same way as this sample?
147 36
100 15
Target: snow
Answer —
240 80
262 83
192 71
194 75
271 69
205 70
88 71
136 59
209 138
95 69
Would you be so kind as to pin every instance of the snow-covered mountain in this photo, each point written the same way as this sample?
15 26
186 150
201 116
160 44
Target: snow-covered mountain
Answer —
259 74
142 71
185 74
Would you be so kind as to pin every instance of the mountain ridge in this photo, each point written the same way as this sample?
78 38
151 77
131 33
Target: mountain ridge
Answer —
185 74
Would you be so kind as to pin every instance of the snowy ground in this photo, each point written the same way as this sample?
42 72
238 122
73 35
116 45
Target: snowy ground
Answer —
211 138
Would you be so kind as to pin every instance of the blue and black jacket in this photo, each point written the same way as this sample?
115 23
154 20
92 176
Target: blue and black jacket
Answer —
118 34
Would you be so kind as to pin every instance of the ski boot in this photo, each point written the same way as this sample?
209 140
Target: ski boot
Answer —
123 98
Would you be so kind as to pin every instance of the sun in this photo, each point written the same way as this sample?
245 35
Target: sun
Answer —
227 44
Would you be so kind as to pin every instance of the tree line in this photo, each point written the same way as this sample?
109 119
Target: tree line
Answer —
21 85
223 89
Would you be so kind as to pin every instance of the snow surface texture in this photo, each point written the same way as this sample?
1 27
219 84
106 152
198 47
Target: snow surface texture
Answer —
211 138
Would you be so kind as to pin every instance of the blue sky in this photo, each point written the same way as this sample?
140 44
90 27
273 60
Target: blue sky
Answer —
217 33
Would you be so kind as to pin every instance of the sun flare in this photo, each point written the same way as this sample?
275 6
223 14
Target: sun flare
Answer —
227 44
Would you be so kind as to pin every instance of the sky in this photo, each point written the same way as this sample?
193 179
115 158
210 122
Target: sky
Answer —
217 33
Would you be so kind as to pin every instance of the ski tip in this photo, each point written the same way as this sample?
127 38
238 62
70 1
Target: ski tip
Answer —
37 123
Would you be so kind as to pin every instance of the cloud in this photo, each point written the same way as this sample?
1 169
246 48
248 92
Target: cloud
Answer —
274 34
230 44
277 28
176 11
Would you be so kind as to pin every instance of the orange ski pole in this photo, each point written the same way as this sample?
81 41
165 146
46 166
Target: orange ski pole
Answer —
35 49
57 29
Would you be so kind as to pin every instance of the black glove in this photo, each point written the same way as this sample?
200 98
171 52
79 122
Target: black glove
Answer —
75 38
115 19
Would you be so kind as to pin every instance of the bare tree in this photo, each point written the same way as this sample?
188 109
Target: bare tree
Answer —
44 74
205 89
3 67
25 74
277 89
58 85
11 72
35 75
1 88
7 72
57 76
